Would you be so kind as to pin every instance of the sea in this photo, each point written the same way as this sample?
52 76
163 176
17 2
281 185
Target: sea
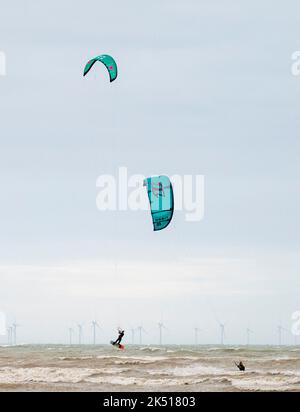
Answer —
149 368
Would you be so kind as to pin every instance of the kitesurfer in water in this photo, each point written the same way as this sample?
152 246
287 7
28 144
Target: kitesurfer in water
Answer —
241 366
120 337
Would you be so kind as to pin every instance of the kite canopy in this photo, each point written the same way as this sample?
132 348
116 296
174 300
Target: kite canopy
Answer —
108 62
161 198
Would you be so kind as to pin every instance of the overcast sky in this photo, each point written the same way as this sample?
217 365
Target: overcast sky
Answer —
204 87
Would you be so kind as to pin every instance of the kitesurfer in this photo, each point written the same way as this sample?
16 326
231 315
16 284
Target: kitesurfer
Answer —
240 365
120 337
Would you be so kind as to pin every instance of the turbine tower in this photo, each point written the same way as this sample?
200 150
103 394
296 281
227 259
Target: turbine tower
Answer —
161 326
94 326
222 328
14 333
79 325
10 335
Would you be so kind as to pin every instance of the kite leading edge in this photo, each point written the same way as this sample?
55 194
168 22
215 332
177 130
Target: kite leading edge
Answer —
108 62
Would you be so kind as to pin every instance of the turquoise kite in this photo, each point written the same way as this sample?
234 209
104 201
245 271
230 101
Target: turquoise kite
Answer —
161 198
108 62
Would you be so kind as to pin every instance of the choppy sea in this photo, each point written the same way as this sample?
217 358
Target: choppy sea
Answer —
148 368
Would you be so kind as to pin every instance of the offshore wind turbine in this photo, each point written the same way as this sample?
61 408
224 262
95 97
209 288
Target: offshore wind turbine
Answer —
14 333
161 326
9 335
94 326
222 329
79 325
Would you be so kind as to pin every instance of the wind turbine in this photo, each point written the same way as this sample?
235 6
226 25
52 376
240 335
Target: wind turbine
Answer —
94 326
9 335
222 328
197 330
140 330
79 325
248 331
14 333
161 326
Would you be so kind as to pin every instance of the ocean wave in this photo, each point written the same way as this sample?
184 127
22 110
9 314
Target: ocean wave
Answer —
122 381
265 383
151 349
36 375
48 375
10 375
194 370
149 368
192 376
287 373
132 360
72 358
225 349
144 382
175 350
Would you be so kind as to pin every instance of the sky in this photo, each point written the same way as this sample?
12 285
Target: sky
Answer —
204 88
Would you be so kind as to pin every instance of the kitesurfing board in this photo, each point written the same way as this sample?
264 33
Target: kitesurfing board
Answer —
119 346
